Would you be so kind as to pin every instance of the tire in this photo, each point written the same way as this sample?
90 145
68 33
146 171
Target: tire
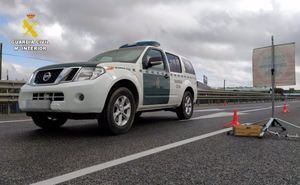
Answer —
185 110
118 114
47 121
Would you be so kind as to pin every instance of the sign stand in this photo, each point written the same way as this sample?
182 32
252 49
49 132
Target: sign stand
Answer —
272 121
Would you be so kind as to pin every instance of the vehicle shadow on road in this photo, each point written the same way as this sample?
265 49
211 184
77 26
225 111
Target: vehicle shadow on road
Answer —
155 120
90 128
79 130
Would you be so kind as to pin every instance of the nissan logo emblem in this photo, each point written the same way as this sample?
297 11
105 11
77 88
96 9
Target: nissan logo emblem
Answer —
46 76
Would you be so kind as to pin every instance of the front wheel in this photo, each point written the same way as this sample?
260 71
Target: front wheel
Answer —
47 121
185 110
118 114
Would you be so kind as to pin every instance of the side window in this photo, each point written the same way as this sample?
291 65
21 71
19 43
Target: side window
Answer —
174 63
153 53
188 66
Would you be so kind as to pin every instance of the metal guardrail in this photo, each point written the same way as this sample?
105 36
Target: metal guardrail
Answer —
218 96
9 92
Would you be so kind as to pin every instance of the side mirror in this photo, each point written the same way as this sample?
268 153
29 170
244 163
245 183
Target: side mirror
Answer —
153 61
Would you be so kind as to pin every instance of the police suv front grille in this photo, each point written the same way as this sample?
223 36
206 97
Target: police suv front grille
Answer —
71 75
53 96
47 76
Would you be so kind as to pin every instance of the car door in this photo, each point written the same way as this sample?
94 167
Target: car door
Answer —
156 80
176 78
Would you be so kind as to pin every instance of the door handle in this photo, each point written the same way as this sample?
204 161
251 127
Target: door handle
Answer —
166 76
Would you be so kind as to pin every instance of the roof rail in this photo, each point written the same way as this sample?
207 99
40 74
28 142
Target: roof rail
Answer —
141 43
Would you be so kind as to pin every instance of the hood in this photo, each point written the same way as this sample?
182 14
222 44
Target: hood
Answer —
74 64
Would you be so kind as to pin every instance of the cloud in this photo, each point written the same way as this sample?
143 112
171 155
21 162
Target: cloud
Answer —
15 71
218 36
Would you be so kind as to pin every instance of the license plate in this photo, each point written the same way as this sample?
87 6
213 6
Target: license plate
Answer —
37 104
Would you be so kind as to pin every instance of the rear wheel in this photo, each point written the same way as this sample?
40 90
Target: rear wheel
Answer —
47 121
185 110
118 114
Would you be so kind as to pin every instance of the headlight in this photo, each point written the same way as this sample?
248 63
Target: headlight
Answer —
89 73
30 79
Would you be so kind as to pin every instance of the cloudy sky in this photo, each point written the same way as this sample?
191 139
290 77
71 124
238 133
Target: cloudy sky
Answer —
218 36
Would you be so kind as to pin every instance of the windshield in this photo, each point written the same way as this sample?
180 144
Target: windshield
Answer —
129 55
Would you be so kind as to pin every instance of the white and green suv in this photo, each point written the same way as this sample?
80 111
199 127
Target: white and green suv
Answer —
114 87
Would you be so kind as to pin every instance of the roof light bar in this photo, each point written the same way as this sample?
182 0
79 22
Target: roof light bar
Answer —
141 43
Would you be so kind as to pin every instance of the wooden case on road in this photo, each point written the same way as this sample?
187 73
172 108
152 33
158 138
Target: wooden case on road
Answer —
247 130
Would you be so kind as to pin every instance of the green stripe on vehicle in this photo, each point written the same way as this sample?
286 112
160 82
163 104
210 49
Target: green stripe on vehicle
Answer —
156 89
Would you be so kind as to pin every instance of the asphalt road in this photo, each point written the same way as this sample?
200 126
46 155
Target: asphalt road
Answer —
31 155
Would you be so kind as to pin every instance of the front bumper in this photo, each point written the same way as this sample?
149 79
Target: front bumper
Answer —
94 92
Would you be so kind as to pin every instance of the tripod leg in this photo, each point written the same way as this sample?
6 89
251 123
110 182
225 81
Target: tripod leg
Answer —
273 124
279 124
266 126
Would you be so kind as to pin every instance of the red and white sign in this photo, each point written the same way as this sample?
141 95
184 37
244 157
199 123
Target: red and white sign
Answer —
284 65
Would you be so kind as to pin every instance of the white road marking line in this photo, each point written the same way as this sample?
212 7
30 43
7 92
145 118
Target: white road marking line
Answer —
218 109
239 108
207 110
296 126
19 120
102 166
253 110
215 115
226 114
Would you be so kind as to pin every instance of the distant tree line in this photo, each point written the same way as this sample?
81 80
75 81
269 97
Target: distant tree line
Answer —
281 91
